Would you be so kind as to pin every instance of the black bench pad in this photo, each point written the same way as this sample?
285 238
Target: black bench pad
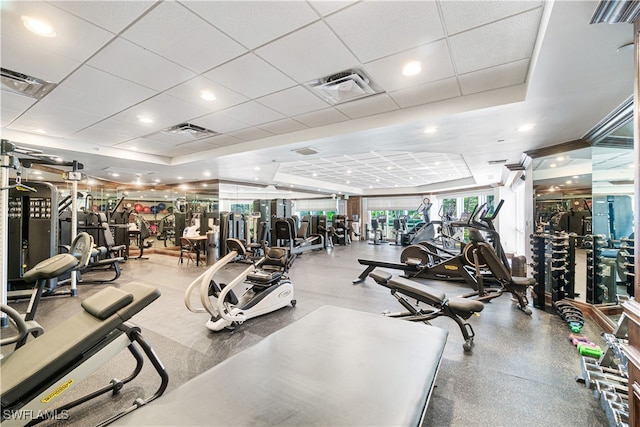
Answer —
332 367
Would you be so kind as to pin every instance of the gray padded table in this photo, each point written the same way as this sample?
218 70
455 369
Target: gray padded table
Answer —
333 367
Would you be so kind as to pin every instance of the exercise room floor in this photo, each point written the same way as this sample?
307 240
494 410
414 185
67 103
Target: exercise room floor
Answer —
521 372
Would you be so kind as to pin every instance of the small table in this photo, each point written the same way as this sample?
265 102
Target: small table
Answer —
197 242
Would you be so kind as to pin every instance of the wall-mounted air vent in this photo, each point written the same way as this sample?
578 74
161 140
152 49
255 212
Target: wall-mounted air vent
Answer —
23 84
196 132
307 151
344 86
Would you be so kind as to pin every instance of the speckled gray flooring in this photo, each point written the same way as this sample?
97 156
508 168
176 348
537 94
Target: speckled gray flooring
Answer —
521 372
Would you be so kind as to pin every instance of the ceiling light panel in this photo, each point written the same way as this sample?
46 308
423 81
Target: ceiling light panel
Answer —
436 65
190 91
68 26
376 29
194 43
254 23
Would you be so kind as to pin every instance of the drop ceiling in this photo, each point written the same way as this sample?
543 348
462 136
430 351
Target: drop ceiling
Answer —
487 68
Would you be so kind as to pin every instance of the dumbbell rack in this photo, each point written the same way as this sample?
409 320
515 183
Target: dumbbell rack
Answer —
539 243
627 250
554 266
608 376
599 288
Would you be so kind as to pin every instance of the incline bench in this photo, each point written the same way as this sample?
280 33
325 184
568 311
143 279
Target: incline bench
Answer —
35 375
332 367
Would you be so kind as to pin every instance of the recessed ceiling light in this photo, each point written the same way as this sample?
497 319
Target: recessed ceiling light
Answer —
115 174
134 148
437 163
377 179
42 131
371 186
207 95
38 27
575 176
431 129
255 179
291 186
552 165
145 119
569 182
315 174
560 158
180 177
206 173
630 166
411 68
349 171
157 180
205 185
389 168
348 182
257 168
526 127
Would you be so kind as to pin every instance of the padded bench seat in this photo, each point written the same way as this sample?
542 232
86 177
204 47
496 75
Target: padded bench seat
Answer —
28 367
332 367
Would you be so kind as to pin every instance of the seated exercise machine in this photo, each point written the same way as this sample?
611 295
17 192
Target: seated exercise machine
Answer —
297 242
333 367
377 230
35 375
458 309
262 288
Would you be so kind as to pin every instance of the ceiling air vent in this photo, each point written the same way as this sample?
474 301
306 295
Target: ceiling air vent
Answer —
497 162
307 151
196 132
344 86
25 85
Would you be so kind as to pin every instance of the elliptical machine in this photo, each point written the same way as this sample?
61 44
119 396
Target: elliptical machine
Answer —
259 289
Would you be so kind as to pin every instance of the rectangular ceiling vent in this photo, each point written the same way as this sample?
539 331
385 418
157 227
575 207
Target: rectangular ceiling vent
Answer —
307 151
22 84
196 132
497 162
344 86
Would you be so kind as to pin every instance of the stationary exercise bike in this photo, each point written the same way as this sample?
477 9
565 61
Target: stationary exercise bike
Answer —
262 288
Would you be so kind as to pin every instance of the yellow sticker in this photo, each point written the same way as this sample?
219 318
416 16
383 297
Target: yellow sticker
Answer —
450 267
57 392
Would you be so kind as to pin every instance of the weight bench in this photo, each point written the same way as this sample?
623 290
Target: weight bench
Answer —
458 309
42 370
333 367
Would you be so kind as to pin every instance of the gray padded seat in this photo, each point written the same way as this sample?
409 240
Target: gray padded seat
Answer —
333 367
51 267
28 367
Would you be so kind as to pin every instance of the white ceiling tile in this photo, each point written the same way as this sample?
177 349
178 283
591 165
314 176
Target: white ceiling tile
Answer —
190 41
67 27
295 100
309 53
433 57
369 106
253 113
110 132
17 55
56 120
283 126
254 23
250 76
327 7
321 117
493 78
224 141
132 62
251 134
379 28
111 15
426 93
15 102
145 145
219 122
504 41
164 110
95 91
190 91
463 15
